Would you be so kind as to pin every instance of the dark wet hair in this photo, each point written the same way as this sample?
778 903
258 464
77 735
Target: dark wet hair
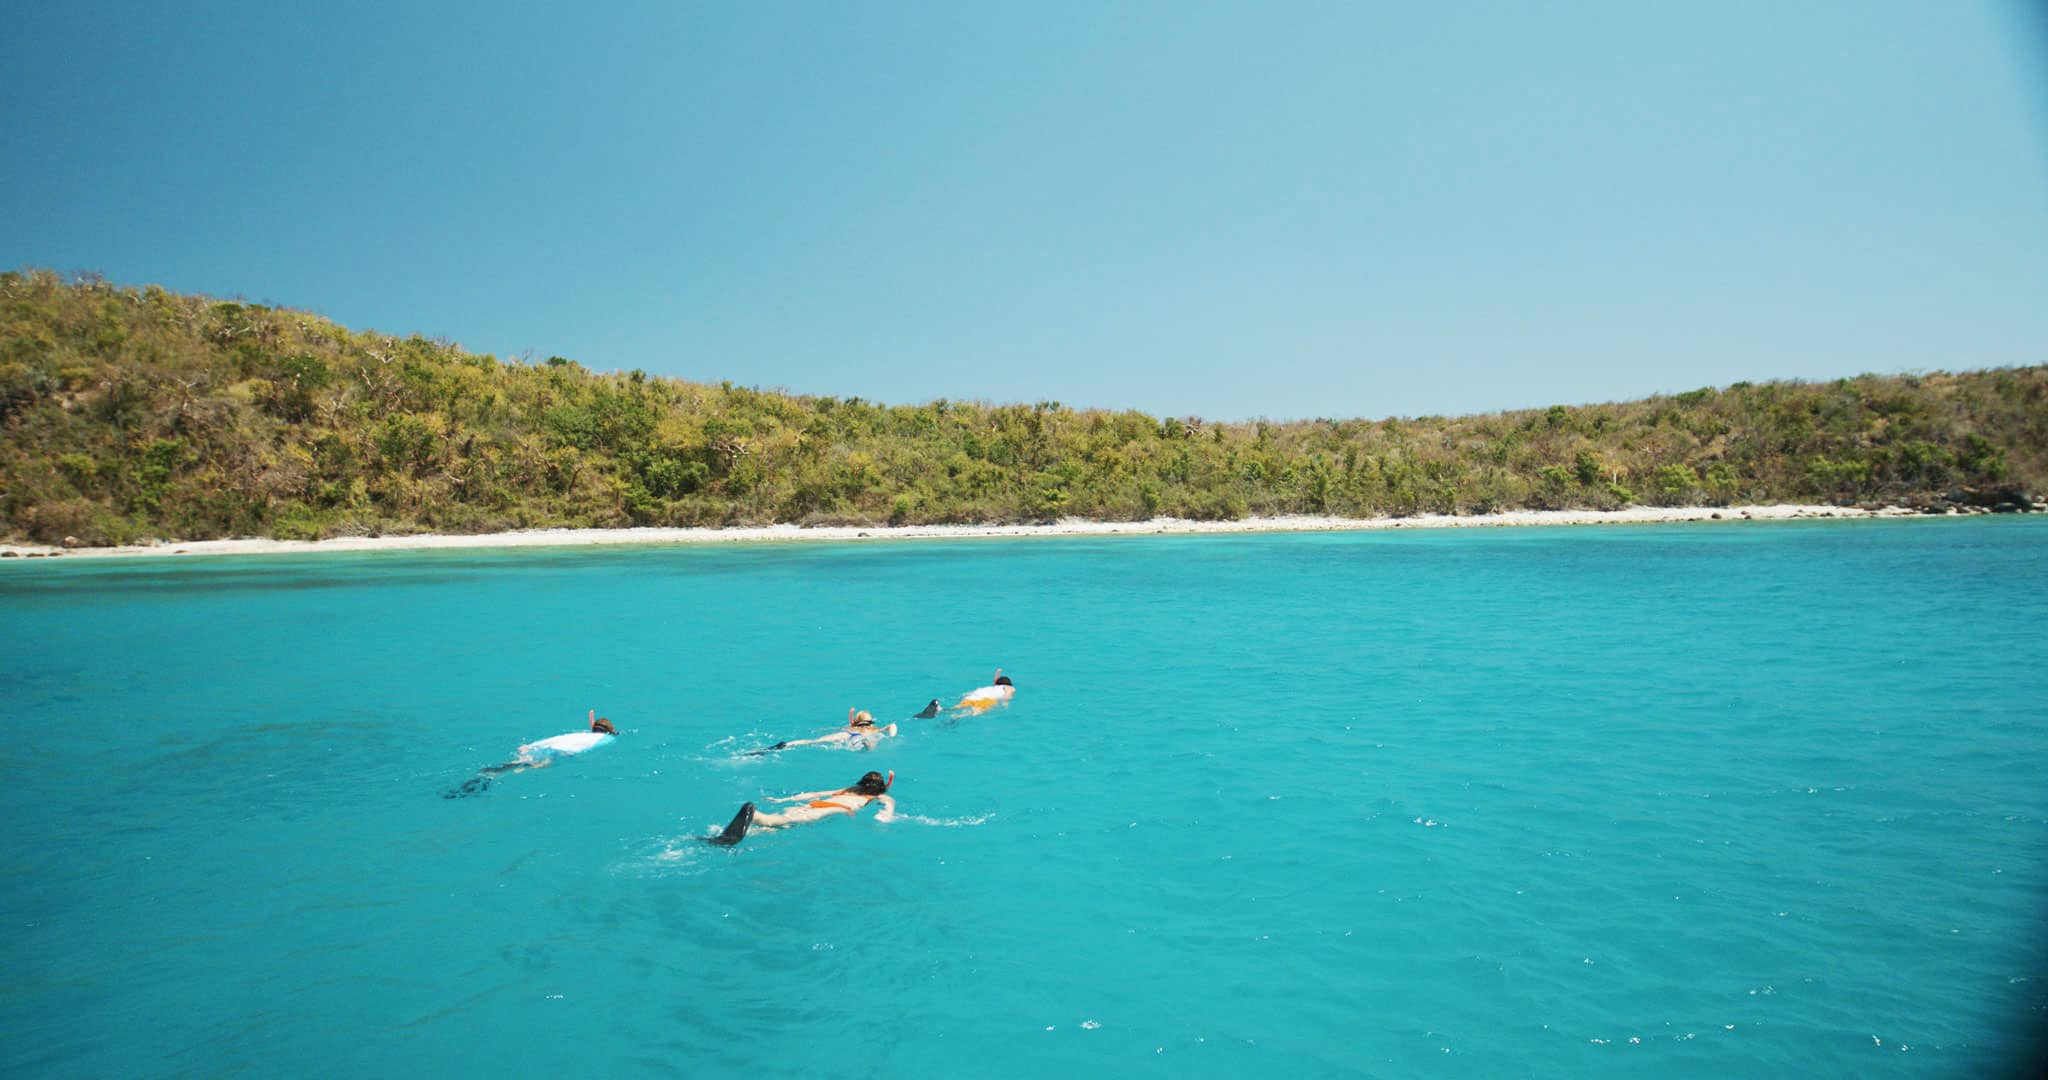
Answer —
873 783
1004 680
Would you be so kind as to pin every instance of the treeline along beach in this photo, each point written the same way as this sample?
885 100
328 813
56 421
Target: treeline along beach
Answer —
136 413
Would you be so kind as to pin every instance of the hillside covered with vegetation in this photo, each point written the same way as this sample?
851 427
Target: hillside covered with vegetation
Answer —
128 414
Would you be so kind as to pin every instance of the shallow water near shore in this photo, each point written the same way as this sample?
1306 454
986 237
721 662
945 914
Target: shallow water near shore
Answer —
1718 800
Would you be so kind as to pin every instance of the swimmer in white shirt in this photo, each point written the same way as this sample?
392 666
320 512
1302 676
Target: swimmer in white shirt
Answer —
540 754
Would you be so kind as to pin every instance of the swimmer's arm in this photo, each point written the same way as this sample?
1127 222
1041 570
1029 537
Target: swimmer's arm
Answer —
804 796
891 729
888 810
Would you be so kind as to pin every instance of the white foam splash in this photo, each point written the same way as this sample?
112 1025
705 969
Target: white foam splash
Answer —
665 857
945 823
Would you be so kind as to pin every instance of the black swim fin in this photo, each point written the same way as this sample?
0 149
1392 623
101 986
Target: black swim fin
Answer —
737 830
475 785
930 711
783 745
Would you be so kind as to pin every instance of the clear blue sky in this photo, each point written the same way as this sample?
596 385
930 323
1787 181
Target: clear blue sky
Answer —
1277 209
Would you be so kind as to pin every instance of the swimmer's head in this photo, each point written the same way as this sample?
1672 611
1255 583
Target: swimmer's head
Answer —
873 783
603 725
862 719
1004 680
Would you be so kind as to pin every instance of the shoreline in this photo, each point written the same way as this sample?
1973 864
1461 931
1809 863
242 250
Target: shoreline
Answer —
651 536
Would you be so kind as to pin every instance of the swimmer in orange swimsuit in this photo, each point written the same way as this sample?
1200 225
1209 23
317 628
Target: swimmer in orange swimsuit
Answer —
988 697
817 806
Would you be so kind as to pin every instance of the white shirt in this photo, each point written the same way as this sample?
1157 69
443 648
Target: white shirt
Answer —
563 745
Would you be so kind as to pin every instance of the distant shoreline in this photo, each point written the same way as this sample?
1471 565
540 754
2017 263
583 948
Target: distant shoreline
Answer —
845 533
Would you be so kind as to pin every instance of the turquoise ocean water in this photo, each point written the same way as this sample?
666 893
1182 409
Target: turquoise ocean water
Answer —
1734 800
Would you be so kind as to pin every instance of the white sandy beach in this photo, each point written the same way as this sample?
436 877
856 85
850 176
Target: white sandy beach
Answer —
1071 527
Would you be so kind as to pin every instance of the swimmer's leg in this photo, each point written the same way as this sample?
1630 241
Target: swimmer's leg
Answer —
735 831
798 815
475 785
478 784
481 782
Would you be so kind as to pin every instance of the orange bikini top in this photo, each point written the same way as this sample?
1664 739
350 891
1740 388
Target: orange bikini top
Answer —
828 804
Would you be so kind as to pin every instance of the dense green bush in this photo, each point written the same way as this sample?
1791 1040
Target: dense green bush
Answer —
127 414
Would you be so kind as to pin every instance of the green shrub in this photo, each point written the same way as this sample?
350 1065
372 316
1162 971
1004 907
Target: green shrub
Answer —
1722 482
80 469
299 523
1674 484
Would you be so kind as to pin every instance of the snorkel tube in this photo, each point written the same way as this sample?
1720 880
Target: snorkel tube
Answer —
886 784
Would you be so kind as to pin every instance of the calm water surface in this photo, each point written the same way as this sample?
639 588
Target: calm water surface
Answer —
1736 800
